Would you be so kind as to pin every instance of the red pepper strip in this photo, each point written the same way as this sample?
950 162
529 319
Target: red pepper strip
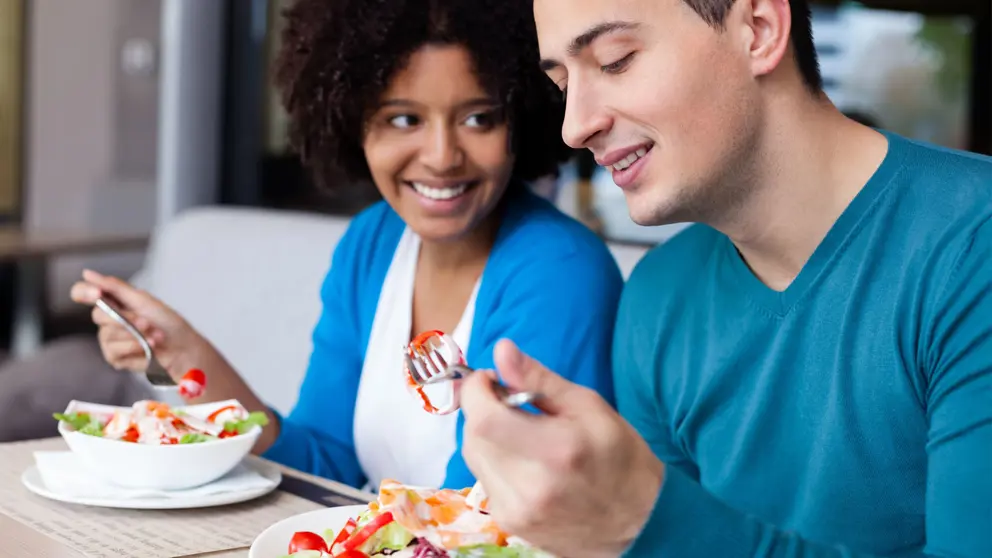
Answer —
366 532
215 414
345 532
418 341
131 435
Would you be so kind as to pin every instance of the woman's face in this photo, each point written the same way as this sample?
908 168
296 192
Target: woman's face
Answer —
438 145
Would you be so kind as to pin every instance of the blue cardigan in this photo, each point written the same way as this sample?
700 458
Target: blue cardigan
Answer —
550 285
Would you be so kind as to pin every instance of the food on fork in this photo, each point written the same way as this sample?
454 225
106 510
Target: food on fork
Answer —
192 384
452 354
156 423
412 522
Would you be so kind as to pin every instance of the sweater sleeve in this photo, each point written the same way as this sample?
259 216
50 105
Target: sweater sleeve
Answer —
317 435
688 521
559 310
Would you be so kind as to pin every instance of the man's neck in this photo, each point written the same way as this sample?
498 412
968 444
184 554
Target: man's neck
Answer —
810 164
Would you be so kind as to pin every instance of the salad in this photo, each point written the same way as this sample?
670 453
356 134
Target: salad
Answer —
411 522
156 423
447 347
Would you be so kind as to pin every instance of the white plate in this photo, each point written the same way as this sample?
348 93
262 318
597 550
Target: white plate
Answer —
32 480
274 541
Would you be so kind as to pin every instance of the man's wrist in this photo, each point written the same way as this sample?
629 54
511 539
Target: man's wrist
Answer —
652 483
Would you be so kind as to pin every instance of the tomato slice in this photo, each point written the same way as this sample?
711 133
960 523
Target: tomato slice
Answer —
366 532
306 540
351 554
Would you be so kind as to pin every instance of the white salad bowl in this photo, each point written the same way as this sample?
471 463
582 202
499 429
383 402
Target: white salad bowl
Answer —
157 467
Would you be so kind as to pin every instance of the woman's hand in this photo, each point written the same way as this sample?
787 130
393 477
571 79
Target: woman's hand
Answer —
178 347
176 344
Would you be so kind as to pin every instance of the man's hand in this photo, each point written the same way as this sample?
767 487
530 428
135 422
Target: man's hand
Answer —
577 480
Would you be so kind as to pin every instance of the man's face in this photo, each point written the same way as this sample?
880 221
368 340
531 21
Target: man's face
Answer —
662 99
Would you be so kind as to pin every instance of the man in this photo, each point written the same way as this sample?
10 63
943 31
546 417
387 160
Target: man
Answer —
806 372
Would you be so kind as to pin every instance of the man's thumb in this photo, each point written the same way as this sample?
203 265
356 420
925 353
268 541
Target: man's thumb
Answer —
521 372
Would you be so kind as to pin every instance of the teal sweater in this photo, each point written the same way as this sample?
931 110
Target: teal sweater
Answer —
848 416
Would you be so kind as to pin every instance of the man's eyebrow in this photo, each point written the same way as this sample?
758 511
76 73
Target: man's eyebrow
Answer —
586 39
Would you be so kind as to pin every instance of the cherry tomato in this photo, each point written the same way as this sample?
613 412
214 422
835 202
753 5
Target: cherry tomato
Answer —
351 554
192 384
305 540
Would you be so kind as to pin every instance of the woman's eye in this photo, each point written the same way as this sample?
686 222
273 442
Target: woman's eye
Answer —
480 120
403 121
618 66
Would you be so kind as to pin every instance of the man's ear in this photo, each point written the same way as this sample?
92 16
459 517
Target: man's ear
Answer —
770 26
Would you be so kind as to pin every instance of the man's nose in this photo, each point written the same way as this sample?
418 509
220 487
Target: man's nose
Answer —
585 117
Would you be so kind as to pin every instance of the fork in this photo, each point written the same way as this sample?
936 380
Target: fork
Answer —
155 373
429 367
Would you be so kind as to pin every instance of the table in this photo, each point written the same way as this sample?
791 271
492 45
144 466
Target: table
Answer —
31 250
35 527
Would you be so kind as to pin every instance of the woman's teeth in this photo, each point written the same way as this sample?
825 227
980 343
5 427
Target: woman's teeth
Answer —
629 159
440 193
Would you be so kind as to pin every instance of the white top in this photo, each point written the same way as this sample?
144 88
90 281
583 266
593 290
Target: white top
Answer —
394 436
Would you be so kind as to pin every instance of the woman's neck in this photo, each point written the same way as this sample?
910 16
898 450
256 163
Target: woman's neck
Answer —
469 251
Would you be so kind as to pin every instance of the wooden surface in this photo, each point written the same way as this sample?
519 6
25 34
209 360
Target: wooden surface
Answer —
24 536
17 244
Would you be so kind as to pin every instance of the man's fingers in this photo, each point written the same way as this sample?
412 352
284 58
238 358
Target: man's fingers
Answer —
523 373
491 422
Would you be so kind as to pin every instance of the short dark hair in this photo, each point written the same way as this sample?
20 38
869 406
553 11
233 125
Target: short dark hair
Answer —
715 12
338 56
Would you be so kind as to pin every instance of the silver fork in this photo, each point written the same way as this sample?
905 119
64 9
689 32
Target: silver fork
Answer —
430 368
155 373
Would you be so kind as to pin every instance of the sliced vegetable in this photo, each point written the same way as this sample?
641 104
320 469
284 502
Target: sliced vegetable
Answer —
131 435
192 384
195 438
212 417
256 418
366 532
306 540
82 422
345 532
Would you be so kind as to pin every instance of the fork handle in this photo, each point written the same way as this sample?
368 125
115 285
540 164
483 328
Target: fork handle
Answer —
511 398
107 307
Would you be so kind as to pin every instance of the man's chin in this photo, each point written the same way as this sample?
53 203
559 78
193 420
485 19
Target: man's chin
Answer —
653 212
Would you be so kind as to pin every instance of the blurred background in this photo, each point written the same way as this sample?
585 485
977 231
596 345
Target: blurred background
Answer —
116 115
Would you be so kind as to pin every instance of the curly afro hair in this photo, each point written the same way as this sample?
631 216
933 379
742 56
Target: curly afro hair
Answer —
338 56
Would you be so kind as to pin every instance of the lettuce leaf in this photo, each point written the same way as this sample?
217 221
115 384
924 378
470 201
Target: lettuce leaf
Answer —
256 418
83 423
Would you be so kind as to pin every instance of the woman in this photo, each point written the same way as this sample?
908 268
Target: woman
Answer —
442 105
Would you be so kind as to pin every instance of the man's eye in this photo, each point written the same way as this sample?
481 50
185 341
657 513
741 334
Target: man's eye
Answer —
403 121
618 66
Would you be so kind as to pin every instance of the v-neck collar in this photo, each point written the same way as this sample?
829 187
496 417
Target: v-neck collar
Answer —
737 275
